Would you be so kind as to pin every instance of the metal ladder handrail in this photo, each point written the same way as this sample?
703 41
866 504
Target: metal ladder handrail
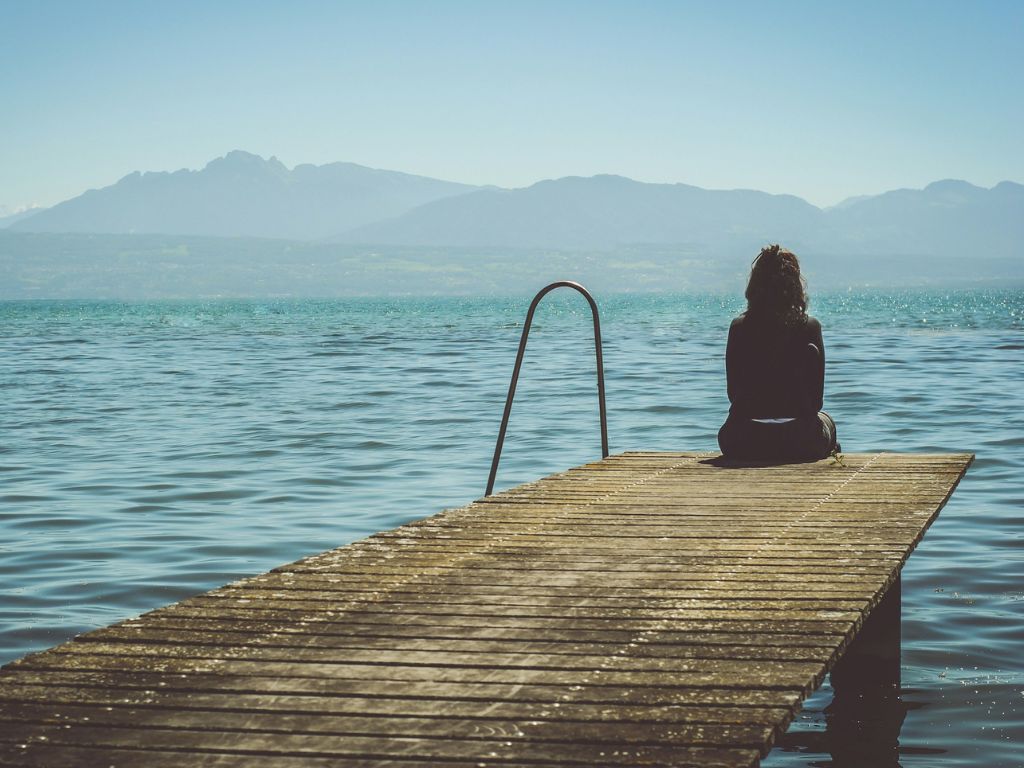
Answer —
519 362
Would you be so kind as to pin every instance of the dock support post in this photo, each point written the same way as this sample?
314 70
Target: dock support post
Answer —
872 662
864 720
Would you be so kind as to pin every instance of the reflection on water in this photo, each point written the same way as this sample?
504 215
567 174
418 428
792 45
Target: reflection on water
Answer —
865 716
151 451
863 733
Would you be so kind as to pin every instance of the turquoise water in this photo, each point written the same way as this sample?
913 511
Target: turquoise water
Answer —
154 450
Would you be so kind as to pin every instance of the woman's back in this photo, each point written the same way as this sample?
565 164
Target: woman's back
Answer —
770 371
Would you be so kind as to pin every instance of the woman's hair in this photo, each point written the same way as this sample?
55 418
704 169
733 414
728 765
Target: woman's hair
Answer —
776 290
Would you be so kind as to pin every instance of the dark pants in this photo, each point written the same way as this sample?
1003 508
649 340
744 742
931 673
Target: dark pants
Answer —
807 438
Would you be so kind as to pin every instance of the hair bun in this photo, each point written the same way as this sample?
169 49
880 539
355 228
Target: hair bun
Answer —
771 252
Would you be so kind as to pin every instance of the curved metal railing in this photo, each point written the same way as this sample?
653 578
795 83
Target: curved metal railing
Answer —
519 362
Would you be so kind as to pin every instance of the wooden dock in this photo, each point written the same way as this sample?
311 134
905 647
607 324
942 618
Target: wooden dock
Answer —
648 609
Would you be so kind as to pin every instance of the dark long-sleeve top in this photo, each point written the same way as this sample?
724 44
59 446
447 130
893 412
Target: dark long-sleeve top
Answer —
770 371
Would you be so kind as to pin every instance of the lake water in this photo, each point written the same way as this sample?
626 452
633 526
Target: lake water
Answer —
151 451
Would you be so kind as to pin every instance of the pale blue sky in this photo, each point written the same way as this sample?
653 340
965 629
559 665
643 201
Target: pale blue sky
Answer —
819 99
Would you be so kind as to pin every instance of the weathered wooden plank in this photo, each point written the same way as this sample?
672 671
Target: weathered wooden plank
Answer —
682 569
280 583
710 673
156 683
492 658
543 606
92 756
647 609
787 621
13 696
640 575
22 716
355 634
801 648
525 747
535 628
735 599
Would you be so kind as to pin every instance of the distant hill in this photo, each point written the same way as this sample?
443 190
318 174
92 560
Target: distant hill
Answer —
242 194
596 212
944 219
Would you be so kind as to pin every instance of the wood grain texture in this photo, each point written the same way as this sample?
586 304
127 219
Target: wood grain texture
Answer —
650 609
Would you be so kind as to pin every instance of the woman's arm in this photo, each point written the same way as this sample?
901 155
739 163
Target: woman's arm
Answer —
818 385
733 364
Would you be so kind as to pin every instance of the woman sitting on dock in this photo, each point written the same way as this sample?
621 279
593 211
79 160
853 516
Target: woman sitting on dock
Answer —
775 370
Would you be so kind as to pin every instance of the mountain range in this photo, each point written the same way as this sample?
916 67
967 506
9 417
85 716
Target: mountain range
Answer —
944 219
244 195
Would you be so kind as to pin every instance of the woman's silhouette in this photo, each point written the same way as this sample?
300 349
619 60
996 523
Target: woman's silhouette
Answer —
775 368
